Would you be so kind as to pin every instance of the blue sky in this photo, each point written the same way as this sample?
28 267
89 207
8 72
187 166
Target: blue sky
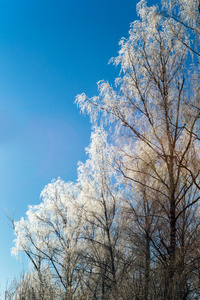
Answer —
50 51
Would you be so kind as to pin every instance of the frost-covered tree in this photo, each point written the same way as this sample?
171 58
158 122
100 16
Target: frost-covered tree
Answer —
50 236
28 287
128 228
75 231
155 103
100 204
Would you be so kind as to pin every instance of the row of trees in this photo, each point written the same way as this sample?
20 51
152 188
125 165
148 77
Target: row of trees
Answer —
128 228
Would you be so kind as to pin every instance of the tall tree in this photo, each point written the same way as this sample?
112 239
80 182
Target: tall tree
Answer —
155 103
99 200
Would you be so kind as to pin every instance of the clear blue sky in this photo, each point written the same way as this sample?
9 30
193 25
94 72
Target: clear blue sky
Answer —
50 51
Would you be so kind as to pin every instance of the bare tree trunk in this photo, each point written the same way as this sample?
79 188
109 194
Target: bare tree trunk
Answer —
172 236
147 268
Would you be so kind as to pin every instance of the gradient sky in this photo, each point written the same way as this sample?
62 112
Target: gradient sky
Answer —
50 51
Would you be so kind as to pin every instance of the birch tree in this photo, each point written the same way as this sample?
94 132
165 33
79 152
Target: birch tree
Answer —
155 102
100 203
50 237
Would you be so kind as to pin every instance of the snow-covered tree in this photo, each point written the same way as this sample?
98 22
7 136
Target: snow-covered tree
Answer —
50 236
100 204
128 228
155 103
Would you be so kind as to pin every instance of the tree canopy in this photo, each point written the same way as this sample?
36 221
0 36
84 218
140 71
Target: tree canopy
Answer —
128 228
